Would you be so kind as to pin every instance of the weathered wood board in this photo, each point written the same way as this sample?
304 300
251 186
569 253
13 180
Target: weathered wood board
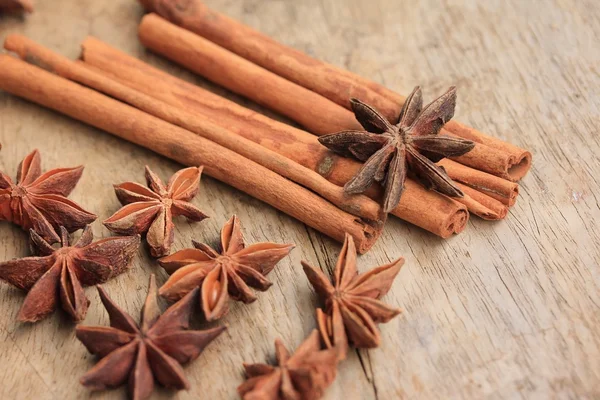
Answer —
504 310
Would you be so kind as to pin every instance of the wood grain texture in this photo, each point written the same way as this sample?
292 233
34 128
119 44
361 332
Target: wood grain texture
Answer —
504 310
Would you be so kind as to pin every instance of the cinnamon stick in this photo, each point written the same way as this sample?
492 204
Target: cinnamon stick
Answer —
329 81
486 206
428 210
193 51
500 189
86 105
32 52
208 60
512 168
266 88
325 79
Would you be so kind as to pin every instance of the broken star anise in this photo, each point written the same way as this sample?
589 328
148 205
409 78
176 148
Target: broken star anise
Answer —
59 274
352 306
302 376
152 210
140 354
222 275
38 201
411 142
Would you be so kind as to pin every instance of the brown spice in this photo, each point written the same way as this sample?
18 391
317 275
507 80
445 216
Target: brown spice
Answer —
388 150
39 201
426 209
82 73
59 274
352 308
264 87
222 275
141 353
302 376
152 209
491 154
42 87
493 186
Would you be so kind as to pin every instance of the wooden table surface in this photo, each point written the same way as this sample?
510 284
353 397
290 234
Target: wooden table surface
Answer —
503 310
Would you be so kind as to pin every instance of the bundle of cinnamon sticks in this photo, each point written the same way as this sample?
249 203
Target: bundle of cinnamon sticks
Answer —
282 165
316 95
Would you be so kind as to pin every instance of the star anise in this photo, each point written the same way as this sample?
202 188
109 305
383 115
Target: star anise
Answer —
302 376
15 6
59 274
38 201
411 142
152 350
152 210
222 275
352 308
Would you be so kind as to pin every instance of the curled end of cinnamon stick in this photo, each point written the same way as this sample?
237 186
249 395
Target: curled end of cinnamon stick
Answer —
495 155
455 223
518 166
482 205
366 234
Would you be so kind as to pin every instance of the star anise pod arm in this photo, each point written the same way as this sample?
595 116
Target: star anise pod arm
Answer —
221 275
38 201
305 375
411 144
352 305
151 210
141 354
58 275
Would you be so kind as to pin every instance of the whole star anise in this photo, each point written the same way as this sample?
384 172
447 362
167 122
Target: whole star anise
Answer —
38 201
352 308
412 142
59 274
222 275
140 354
152 210
302 376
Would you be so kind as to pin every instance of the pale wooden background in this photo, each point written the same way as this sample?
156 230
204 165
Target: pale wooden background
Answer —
505 310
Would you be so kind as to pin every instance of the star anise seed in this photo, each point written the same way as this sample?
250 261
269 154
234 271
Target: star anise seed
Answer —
222 275
411 143
305 375
152 350
352 306
59 274
152 210
39 201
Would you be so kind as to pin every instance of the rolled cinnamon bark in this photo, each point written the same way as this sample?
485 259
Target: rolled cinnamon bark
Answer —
32 52
207 59
86 105
500 189
329 81
487 207
516 165
266 88
192 51
428 210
